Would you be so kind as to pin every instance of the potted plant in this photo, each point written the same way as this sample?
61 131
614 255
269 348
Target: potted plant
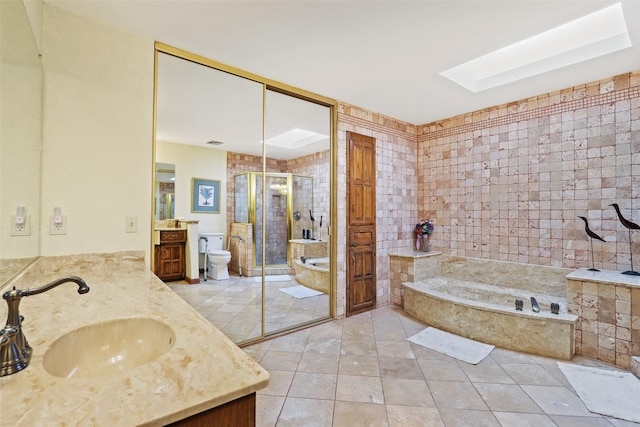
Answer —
424 228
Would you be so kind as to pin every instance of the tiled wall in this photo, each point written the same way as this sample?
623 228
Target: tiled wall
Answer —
508 182
317 165
396 191
238 163
609 324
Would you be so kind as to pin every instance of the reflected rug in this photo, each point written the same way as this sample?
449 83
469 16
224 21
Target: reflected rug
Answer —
606 392
461 348
300 292
274 278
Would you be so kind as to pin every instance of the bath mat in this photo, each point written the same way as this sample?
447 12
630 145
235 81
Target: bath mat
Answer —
275 278
461 348
611 393
300 292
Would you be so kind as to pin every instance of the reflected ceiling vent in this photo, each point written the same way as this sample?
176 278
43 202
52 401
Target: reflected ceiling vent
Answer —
213 142
295 138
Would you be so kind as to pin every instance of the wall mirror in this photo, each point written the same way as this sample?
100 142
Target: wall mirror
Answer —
20 140
269 146
164 191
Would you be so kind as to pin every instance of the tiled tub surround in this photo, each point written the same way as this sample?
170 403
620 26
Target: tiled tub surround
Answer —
509 181
411 267
314 273
475 298
608 304
203 370
634 365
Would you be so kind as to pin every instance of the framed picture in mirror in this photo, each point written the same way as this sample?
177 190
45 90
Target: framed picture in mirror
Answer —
205 195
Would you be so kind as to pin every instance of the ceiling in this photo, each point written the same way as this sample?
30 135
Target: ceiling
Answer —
197 105
383 56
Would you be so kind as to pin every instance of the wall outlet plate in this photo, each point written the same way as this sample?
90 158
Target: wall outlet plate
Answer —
131 224
60 228
23 229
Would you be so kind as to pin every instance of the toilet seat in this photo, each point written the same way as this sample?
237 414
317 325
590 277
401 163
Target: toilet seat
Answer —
220 253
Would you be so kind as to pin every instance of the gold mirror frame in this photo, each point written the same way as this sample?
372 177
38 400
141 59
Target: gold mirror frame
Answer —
272 85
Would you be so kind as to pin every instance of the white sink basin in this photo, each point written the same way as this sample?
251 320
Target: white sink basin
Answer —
108 348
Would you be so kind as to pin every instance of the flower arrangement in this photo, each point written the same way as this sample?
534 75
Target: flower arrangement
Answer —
423 227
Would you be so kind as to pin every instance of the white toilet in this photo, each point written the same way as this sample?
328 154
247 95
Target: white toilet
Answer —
217 258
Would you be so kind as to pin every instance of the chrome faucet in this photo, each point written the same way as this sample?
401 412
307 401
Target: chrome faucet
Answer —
15 352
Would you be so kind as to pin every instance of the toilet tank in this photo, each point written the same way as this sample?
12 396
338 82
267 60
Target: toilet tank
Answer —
214 241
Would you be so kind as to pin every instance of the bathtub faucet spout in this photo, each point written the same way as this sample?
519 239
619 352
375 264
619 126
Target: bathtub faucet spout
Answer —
534 305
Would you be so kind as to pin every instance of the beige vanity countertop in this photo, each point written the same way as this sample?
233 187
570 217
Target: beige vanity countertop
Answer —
203 370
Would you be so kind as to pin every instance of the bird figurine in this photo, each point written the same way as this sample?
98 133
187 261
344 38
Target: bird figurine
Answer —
592 235
630 226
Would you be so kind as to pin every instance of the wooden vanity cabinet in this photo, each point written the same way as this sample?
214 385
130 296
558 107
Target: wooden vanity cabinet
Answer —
170 262
237 413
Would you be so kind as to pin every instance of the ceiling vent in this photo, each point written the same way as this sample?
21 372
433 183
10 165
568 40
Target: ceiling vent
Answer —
212 142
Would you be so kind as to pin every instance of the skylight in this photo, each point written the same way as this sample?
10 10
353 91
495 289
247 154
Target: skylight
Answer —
295 138
585 38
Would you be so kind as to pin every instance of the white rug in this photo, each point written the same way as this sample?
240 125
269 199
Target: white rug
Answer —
274 278
461 348
300 292
611 393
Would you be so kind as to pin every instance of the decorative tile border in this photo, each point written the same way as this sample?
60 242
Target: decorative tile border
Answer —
439 129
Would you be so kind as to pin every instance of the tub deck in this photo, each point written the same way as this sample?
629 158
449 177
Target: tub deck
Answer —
487 313
314 273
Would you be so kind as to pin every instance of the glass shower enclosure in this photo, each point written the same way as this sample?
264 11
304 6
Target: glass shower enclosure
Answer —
285 195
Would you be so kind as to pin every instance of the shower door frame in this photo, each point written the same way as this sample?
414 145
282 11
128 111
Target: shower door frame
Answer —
252 179
253 217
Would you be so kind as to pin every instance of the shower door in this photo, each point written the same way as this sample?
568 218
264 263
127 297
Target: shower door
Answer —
277 206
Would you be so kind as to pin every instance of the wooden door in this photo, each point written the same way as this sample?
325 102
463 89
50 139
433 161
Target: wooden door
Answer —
361 223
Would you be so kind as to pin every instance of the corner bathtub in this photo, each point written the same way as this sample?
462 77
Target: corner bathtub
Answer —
313 273
487 313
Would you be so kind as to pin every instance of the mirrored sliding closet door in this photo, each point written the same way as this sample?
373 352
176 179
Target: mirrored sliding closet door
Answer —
259 239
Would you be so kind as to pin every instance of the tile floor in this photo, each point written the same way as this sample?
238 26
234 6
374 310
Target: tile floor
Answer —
361 371
234 305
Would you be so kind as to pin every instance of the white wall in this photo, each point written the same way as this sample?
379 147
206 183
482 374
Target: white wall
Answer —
97 135
196 162
20 130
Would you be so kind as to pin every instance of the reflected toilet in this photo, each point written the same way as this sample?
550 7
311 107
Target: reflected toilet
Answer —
216 258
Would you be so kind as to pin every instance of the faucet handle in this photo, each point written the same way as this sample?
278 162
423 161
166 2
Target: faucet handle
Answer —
7 332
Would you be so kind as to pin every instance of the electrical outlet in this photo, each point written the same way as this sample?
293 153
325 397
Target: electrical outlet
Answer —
23 229
59 227
131 224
